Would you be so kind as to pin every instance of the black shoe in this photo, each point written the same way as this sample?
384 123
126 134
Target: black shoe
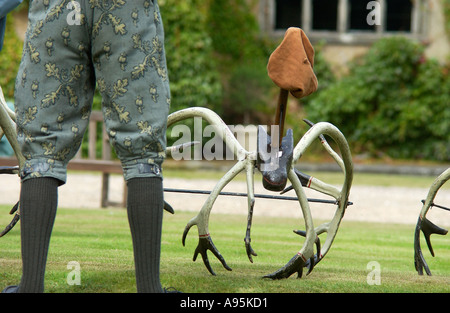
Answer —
171 290
11 289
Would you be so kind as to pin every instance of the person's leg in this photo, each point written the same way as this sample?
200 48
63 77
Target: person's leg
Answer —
38 202
54 90
132 77
145 214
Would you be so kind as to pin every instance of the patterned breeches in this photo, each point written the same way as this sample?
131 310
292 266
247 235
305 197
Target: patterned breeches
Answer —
73 47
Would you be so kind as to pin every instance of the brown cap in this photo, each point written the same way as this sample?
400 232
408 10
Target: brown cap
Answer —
291 64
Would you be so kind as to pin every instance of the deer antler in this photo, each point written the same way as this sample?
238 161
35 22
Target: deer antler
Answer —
306 257
14 221
427 227
245 162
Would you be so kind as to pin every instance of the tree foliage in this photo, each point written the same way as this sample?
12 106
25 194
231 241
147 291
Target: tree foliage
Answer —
446 4
194 78
10 57
243 55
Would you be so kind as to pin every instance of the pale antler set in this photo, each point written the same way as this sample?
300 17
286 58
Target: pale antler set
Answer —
291 68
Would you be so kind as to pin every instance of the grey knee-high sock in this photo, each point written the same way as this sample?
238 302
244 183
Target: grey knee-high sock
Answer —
145 213
38 203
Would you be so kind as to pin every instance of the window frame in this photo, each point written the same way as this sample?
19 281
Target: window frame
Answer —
343 34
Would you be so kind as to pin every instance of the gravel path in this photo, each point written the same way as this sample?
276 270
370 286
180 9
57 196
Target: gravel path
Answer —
371 203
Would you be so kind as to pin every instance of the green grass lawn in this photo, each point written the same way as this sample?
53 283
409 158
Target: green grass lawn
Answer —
99 240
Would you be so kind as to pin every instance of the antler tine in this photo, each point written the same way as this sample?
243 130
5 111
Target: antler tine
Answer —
311 262
328 148
180 148
9 170
11 113
7 120
202 219
251 204
10 225
427 227
14 221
